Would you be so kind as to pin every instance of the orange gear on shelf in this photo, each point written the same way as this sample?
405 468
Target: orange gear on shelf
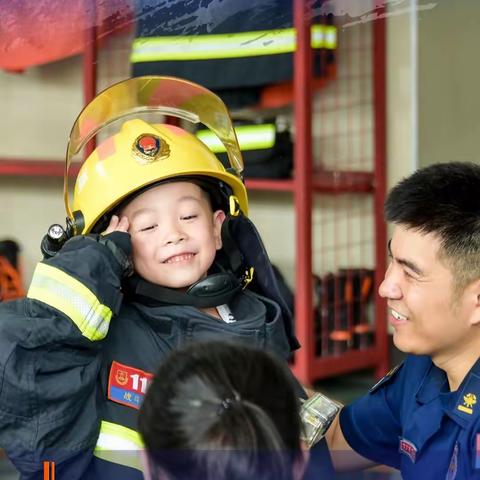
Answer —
340 335
10 281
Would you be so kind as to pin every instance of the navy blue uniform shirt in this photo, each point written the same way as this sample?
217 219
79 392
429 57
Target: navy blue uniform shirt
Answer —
411 421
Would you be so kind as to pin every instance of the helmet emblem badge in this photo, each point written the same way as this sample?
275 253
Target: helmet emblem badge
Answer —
149 148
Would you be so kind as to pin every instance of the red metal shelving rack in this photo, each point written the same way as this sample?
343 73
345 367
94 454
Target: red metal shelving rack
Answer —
307 365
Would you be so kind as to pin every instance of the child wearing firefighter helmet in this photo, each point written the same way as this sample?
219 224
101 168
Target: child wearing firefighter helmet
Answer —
157 253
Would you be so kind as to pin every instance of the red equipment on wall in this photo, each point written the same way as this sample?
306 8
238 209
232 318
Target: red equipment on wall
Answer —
11 285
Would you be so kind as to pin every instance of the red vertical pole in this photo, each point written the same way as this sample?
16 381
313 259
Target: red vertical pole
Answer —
302 85
379 95
90 62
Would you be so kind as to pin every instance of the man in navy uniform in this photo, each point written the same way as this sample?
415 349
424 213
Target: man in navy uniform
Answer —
424 416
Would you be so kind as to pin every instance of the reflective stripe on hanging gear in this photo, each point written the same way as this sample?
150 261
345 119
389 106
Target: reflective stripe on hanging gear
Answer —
250 137
329 37
227 45
56 288
267 148
119 444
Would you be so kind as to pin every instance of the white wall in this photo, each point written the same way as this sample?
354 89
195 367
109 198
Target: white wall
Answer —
449 79
402 135
38 108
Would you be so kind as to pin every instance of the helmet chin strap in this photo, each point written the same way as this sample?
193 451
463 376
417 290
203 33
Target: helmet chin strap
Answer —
211 291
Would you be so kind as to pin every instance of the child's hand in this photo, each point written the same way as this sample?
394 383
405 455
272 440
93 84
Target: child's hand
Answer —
117 225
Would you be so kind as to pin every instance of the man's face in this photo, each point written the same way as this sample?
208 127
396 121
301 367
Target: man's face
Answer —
175 234
426 318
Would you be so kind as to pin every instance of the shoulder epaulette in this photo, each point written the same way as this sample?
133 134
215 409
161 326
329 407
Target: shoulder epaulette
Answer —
386 378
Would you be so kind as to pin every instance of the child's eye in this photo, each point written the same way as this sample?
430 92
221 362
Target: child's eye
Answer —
189 217
146 229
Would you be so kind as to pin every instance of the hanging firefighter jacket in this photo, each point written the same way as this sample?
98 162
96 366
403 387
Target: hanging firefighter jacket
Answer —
227 46
267 150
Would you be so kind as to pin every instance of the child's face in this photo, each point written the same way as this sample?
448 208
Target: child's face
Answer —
175 234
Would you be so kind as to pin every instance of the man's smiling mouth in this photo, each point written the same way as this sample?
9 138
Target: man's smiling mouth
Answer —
398 316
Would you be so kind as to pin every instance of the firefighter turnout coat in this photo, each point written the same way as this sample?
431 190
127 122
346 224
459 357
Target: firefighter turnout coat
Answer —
76 360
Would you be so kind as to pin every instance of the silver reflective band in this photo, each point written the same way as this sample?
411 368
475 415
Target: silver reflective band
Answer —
227 45
317 414
119 444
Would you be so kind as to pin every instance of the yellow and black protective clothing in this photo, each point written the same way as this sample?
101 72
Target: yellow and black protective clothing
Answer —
61 347
233 48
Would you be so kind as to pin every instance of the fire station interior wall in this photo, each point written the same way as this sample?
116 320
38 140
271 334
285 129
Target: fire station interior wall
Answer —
40 105
38 109
448 82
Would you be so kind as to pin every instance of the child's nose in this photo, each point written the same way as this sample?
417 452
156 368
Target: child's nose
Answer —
176 235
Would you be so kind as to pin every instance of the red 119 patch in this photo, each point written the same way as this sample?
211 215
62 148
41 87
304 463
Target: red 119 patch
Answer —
128 385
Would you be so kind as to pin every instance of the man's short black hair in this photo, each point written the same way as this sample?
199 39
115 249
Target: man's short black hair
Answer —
443 199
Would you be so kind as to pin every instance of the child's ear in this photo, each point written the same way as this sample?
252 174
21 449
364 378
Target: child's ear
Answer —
218 218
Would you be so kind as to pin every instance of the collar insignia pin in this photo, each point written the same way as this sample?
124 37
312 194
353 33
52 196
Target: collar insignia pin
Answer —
469 400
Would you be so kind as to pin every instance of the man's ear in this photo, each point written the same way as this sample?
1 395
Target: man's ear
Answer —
473 292
218 219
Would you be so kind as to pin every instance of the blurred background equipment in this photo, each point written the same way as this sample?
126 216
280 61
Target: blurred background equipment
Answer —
344 316
11 285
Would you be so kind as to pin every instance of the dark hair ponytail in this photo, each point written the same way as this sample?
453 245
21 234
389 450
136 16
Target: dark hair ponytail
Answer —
221 411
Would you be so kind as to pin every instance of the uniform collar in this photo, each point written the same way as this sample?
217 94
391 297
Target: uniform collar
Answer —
434 382
466 406
463 405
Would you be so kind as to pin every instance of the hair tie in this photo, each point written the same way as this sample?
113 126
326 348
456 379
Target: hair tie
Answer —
227 403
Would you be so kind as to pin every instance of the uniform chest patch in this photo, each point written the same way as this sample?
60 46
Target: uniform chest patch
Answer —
127 385
477 452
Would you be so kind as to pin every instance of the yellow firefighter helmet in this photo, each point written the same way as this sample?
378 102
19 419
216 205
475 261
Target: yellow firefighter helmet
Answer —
143 153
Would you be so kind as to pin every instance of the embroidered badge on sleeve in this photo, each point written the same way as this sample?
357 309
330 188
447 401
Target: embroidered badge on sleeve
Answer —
408 448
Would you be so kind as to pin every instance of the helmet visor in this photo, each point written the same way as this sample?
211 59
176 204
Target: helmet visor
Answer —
169 96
